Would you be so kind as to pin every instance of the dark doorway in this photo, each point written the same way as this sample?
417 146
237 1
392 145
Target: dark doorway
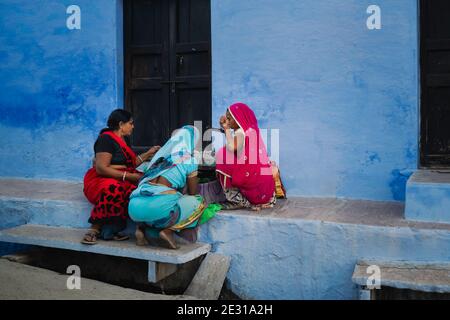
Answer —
435 83
167 67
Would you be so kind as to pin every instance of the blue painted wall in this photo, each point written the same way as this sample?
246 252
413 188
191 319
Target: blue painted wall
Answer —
344 98
57 85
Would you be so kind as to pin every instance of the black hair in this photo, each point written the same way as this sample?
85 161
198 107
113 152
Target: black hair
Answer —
117 116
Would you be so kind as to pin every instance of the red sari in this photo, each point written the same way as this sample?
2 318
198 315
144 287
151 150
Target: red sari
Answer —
249 170
109 196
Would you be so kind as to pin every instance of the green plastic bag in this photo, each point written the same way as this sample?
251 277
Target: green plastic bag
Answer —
209 213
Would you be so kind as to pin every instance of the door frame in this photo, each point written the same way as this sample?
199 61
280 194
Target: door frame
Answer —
420 84
122 96
423 162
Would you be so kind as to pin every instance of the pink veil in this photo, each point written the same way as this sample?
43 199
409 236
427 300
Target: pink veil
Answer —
250 170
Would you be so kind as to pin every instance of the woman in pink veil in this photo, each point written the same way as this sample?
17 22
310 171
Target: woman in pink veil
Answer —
242 165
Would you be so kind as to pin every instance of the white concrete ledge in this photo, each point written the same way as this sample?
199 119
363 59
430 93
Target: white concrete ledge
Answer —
426 276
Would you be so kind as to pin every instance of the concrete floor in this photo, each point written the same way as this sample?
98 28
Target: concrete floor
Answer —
23 282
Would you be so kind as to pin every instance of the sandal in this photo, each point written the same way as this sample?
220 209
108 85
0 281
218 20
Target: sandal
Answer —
120 237
90 237
112 232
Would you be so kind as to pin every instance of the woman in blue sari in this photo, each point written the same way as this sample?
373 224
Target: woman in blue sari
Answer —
158 204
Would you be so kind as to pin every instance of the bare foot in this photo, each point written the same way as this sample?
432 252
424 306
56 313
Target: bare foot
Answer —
262 206
267 206
140 237
167 235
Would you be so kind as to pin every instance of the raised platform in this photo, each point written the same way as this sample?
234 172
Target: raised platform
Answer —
43 202
428 196
62 204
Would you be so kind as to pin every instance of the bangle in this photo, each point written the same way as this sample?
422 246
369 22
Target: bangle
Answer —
140 158
124 175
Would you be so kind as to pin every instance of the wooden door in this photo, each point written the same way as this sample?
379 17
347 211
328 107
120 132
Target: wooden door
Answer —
435 83
167 68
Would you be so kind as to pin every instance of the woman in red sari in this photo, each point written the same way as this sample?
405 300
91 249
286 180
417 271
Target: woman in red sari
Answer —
109 183
243 166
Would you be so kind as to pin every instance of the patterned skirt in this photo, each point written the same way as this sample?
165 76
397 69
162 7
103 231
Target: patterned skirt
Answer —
110 198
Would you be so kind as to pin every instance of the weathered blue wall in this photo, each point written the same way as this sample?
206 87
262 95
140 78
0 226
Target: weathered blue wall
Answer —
345 98
428 201
277 258
57 86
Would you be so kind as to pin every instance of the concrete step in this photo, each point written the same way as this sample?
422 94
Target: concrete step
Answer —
43 202
162 262
428 197
424 276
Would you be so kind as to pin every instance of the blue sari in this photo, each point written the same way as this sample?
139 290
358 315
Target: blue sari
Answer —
161 207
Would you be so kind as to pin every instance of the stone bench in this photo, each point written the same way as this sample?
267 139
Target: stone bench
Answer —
161 262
